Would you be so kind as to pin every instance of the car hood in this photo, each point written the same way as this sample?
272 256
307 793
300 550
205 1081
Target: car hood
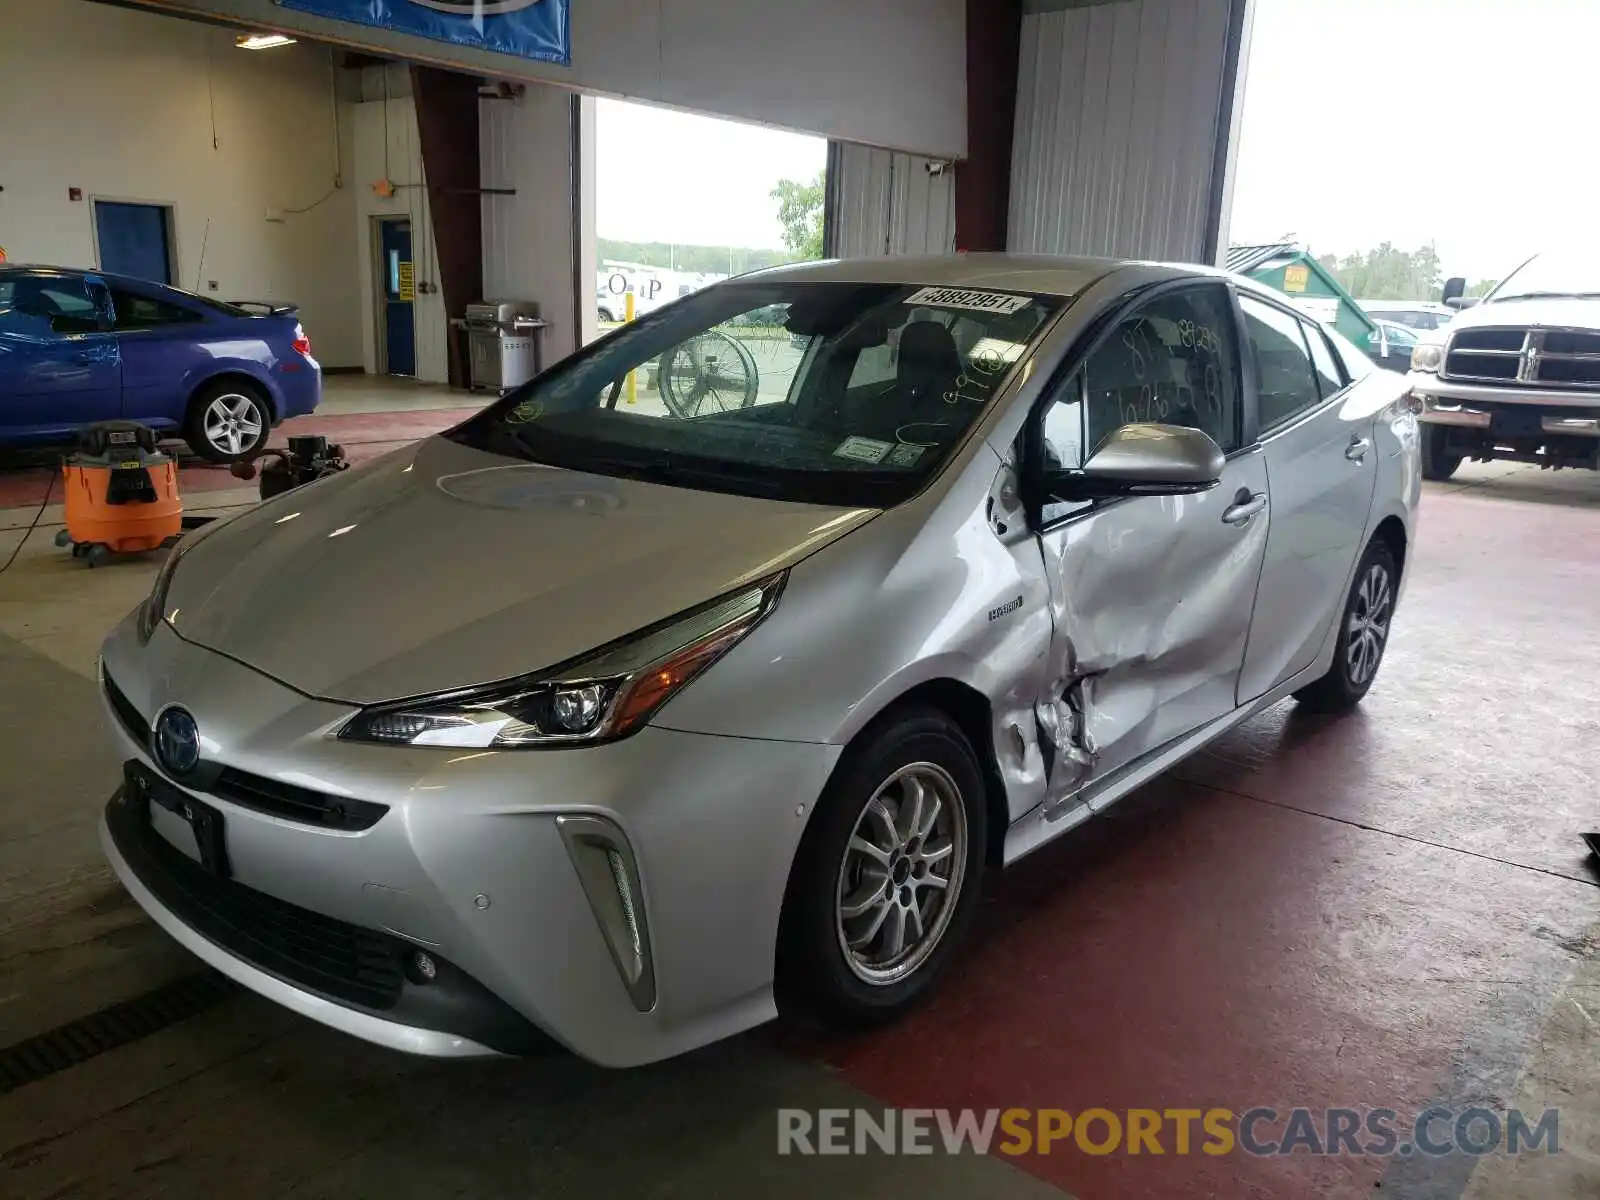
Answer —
1550 313
440 567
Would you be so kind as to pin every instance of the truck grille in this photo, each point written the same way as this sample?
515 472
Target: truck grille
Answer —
1550 358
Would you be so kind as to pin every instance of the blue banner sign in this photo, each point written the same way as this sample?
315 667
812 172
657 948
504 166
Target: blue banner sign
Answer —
526 28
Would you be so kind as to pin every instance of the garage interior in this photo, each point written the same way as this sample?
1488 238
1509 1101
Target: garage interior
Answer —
1390 908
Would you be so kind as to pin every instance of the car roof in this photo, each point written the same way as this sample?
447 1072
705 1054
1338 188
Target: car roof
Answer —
128 281
1041 274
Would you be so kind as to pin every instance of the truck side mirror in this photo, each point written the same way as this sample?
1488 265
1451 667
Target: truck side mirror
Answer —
1454 288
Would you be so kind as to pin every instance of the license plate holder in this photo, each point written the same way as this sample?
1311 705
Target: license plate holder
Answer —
146 791
1515 423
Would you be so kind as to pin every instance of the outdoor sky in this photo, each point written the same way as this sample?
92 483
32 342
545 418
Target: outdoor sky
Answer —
1464 122
665 176
1469 123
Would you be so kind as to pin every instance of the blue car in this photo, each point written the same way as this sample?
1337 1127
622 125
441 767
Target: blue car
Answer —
78 347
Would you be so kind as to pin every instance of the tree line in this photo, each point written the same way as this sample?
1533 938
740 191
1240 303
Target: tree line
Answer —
1390 273
800 208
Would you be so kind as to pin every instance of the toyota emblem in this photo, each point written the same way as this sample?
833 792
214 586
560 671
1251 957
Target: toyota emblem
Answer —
177 741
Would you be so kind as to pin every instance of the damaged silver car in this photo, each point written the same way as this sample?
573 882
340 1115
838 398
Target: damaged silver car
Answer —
709 673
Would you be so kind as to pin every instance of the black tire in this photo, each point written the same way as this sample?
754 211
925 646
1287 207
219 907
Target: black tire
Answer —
1437 464
1350 677
815 975
240 396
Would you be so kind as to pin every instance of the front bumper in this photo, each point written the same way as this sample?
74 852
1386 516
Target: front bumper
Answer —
1473 406
470 864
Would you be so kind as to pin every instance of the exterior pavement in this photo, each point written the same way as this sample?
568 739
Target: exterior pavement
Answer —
1386 910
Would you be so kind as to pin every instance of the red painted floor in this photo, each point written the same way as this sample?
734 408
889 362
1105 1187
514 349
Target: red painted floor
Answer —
363 436
1367 912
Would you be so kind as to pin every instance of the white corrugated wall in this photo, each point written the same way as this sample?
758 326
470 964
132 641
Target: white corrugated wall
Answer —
886 203
526 145
1118 106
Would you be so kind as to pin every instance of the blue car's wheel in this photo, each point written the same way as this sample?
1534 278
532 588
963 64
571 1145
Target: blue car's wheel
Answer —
228 421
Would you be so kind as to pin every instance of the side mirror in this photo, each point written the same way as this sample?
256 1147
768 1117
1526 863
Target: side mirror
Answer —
1145 460
1454 288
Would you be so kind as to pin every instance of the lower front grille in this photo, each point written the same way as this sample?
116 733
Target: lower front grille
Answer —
330 957
350 965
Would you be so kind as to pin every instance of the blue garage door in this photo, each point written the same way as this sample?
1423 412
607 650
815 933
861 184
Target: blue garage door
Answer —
133 240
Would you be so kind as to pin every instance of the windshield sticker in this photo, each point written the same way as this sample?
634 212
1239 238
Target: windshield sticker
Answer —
867 450
905 455
989 302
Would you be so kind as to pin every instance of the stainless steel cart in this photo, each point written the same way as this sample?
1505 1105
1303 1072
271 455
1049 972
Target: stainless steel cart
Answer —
503 343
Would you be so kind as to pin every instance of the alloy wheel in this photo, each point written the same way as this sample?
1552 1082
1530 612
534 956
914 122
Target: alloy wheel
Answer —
233 424
1368 624
902 872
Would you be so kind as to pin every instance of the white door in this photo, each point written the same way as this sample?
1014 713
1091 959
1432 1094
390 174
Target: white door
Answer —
1321 472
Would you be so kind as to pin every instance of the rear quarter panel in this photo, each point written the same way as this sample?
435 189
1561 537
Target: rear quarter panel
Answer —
163 368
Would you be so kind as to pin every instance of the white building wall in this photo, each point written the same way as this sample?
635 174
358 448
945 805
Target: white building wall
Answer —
887 203
881 72
395 125
132 106
1118 109
529 238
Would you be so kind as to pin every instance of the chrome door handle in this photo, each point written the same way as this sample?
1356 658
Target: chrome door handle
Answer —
1240 513
1356 451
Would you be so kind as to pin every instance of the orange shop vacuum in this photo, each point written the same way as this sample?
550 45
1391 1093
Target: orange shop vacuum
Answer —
121 494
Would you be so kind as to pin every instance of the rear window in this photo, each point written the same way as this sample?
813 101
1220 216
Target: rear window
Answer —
218 306
830 393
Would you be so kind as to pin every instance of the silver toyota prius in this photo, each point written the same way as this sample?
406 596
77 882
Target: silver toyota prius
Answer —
708 674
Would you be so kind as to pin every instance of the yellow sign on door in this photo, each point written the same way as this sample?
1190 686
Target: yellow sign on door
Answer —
1295 279
408 281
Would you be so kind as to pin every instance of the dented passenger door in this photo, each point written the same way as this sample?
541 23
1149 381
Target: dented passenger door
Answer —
1151 595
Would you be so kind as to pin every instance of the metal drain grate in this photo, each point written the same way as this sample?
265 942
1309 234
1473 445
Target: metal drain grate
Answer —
116 1025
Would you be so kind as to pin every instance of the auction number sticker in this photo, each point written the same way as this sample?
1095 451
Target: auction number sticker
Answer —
989 302
867 450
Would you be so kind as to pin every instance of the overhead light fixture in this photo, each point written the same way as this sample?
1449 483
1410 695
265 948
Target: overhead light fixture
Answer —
262 41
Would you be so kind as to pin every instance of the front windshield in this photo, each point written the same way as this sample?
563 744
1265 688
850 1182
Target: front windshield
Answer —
1554 275
829 393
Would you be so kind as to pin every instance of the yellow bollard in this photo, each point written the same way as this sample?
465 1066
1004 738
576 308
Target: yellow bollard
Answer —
633 376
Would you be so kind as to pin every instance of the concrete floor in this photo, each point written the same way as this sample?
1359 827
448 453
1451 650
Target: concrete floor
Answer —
343 395
1387 910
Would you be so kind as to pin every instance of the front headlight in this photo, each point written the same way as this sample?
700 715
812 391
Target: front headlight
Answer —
607 694
1427 356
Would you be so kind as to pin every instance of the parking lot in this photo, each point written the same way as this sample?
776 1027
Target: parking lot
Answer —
1315 912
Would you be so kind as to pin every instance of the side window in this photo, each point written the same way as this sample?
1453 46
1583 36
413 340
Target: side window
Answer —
1286 382
1329 377
1356 364
1172 362
135 311
40 307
